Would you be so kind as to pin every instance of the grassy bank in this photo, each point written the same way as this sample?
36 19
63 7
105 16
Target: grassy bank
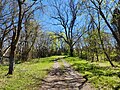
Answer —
100 74
27 76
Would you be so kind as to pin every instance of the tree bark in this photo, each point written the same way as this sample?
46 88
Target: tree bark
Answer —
1 52
11 59
71 51
15 38
1 57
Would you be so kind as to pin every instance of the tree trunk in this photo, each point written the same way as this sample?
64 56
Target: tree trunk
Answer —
81 53
71 51
106 54
15 37
24 56
11 59
1 60
97 56
1 57
102 43
113 32
11 64
108 58
92 56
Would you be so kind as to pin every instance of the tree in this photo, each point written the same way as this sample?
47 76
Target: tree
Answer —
66 14
43 44
23 8
116 22
92 41
102 43
96 8
27 39
98 4
5 28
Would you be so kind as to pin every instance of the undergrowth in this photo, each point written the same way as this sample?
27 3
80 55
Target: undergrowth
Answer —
100 74
27 76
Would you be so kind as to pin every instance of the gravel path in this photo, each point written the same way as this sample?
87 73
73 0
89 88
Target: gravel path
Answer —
63 77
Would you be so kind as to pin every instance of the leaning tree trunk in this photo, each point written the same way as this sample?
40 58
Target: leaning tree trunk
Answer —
113 32
99 34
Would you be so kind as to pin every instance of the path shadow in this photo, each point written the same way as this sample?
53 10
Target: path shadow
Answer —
61 78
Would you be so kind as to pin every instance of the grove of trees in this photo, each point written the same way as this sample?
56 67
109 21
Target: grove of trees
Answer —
89 29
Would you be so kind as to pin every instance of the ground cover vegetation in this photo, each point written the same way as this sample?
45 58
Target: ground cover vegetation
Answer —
88 29
100 74
27 76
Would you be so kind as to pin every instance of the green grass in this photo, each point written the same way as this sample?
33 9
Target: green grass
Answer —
101 75
27 76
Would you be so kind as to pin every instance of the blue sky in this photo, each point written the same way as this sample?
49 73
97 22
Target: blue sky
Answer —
45 20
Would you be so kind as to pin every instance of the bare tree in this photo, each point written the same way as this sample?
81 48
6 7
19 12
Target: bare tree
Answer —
17 29
101 40
27 39
95 6
116 23
66 15
5 28
98 4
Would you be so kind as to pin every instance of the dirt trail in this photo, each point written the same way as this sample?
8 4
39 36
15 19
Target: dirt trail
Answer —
63 77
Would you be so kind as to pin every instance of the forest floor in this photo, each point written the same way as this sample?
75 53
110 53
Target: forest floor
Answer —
58 73
63 77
